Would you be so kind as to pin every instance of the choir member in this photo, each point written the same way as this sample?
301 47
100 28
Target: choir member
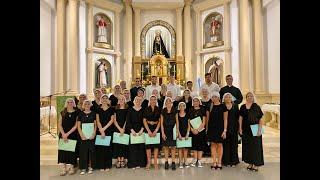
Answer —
186 98
127 95
114 97
96 102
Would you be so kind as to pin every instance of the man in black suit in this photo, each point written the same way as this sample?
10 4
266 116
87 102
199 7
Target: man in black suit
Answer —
229 88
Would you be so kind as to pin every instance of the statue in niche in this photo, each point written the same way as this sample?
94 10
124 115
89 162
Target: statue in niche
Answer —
215 70
102 29
158 46
215 28
102 74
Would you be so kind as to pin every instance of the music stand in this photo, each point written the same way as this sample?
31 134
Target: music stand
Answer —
49 127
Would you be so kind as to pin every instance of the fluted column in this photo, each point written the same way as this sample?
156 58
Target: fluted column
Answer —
244 45
128 41
61 46
198 55
187 38
90 63
73 71
117 44
137 31
179 31
227 37
258 40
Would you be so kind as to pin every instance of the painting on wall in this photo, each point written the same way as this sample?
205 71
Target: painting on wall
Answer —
103 31
213 30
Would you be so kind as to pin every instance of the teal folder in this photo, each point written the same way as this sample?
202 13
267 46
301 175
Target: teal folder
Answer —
152 140
87 129
137 139
196 122
254 129
70 145
117 139
103 142
184 143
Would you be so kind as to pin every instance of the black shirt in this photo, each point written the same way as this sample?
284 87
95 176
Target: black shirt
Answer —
234 91
134 92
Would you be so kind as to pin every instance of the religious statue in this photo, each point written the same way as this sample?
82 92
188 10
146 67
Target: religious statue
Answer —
158 46
102 29
102 75
214 69
215 28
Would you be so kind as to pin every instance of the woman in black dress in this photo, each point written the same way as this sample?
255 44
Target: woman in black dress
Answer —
206 103
155 92
230 144
183 127
105 119
103 90
168 121
87 149
114 97
217 129
96 102
186 98
198 135
163 92
174 102
127 95
82 97
151 121
120 150
67 128
252 150
137 153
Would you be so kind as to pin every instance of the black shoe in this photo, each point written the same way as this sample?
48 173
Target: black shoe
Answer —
166 165
173 166
249 168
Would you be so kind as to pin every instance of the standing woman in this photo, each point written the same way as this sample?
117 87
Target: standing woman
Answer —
137 153
87 149
151 121
82 98
252 150
141 93
155 92
198 135
187 99
115 95
163 92
96 102
67 128
183 127
168 121
105 119
217 129
206 99
127 95
230 144
120 150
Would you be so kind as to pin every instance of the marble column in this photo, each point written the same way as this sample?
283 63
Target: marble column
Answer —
128 42
137 31
61 46
227 42
179 31
198 55
117 44
90 63
187 39
258 40
244 45
73 70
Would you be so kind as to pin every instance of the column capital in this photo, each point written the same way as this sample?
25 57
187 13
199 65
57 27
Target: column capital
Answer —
188 2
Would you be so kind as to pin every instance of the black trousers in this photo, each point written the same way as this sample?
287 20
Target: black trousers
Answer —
86 153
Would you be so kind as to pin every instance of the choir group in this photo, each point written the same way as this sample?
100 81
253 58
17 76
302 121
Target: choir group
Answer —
161 112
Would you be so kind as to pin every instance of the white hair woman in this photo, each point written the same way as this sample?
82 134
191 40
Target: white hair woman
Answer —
134 124
105 118
230 144
87 148
252 149
121 111
151 121
67 127
183 127
217 129
114 97
198 135
168 121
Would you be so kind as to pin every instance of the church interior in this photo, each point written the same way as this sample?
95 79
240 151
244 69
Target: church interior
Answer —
88 44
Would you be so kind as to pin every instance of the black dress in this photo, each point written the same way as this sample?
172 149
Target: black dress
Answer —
136 153
68 122
216 123
114 100
230 144
160 103
87 146
104 153
199 140
144 104
95 106
169 121
188 104
252 150
183 124
130 104
207 104
153 116
120 150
